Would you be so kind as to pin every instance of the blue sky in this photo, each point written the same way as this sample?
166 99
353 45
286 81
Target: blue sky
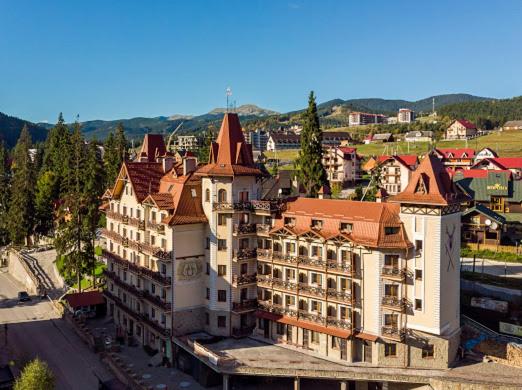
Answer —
119 59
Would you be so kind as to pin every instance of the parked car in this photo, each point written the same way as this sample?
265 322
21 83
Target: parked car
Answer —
23 297
85 313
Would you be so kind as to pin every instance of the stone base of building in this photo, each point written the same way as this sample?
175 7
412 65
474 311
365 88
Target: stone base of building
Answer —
415 350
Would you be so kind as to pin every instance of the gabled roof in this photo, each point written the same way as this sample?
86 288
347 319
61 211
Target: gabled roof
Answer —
347 149
230 155
508 162
408 160
467 124
455 152
481 209
430 184
144 178
153 146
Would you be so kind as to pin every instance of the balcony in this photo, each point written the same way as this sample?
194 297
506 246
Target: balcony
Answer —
277 309
243 280
244 306
344 295
394 273
117 216
395 303
312 290
245 254
338 323
227 206
263 228
157 227
244 331
305 315
138 246
269 206
280 284
245 228
138 223
140 294
160 278
393 332
139 317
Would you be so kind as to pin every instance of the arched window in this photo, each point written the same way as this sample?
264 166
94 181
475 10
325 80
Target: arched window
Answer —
207 195
222 195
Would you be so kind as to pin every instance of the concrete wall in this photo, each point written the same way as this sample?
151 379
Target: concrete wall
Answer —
20 273
505 294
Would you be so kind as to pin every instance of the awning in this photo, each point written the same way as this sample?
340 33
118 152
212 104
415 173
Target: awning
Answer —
366 336
304 324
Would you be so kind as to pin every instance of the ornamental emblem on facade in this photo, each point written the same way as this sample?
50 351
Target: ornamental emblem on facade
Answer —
189 269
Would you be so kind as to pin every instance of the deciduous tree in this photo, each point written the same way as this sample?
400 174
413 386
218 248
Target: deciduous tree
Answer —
36 375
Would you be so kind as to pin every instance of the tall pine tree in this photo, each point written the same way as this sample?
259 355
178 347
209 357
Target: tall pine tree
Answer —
21 205
310 171
204 149
4 195
72 240
115 154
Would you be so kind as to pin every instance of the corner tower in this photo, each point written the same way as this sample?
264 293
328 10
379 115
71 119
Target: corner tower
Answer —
230 189
430 212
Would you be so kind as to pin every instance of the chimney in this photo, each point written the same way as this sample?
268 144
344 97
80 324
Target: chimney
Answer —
167 163
189 164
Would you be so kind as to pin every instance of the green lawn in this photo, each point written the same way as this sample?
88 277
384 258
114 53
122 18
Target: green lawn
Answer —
488 254
506 144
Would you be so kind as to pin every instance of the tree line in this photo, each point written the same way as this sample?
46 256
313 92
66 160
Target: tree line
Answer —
53 190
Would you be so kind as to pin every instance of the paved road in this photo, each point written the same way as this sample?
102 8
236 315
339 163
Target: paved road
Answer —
493 267
34 330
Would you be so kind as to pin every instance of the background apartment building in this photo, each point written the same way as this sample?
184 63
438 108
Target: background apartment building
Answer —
363 118
406 115
342 164
350 280
395 172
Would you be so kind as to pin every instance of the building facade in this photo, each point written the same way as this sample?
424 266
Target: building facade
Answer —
405 115
342 164
460 129
455 159
395 172
363 118
349 280
186 142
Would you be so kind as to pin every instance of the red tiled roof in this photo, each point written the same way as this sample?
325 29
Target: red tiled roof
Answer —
467 124
152 147
456 153
347 149
230 155
144 177
88 298
430 184
508 162
369 220
408 160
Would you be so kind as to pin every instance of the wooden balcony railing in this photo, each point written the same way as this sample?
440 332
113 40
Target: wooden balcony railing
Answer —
117 216
138 246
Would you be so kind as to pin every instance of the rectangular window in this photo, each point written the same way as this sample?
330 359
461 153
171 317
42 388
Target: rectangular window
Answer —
290 248
344 313
316 278
222 270
390 349
290 273
289 300
244 269
289 221
207 243
317 224
314 337
388 230
346 227
418 274
418 304
280 328
418 247
207 295
208 269
222 321
222 244
222 295
336 342
391 261
428 351
315 251
153 216
222 219
316 306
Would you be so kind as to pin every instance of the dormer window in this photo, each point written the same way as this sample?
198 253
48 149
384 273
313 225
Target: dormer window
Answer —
317 224
289 221
346 227
389 230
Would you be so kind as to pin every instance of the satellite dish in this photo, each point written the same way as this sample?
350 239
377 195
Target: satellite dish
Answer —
494 226
488 222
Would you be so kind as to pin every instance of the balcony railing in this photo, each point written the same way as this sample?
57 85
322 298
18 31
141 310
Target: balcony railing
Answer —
138 269
394 272
246 305
242 280
338 323
312 290
136 222
393 332
158 227
245 254
245 228
140 294
394 302
236 206
268 205
138 246
277 309
160 328
263 228
344 295
117 216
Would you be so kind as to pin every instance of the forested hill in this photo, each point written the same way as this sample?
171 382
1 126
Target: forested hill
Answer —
486 114
10 128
